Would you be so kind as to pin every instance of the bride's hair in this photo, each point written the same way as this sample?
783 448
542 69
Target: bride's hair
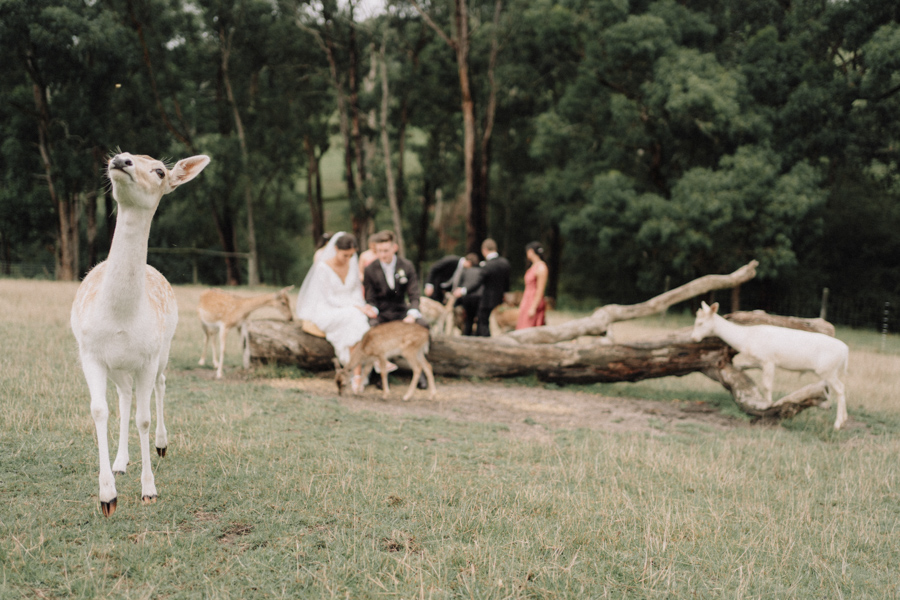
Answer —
347 241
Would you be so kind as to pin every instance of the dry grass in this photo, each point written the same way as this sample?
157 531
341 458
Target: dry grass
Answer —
279 493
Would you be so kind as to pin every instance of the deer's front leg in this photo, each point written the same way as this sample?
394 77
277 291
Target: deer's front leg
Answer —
95 375
417 372
124 384
207 341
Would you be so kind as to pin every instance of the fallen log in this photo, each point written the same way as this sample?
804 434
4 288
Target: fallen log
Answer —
573 352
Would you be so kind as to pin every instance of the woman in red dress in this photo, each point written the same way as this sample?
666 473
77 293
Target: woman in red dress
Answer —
533 307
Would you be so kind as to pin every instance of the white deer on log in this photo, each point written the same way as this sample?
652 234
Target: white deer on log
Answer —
769 346
124 317
220 312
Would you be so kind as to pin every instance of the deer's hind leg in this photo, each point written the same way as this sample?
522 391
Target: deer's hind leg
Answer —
429 374
145 384
418 363
836 389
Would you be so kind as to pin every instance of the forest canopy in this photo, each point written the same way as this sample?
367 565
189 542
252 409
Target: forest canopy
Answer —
645 143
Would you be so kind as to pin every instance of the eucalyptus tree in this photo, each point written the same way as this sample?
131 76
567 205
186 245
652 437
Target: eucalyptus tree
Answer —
63 60
471 31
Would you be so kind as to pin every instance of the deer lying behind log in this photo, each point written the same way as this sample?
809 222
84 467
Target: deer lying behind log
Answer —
768 346
383 342
220 311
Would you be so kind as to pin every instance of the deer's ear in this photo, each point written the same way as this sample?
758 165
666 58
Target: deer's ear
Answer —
186 169
715 307
704 305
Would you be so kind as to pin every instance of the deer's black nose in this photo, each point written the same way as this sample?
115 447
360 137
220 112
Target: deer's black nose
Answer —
120 162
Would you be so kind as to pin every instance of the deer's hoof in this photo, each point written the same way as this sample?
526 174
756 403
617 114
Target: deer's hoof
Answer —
148 499
161 451
118 472
108 508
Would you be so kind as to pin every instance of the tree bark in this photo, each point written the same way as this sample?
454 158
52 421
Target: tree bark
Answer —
314 197
474 164
253 263
386 149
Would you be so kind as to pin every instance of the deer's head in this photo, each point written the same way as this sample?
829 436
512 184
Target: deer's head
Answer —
140 181
705 321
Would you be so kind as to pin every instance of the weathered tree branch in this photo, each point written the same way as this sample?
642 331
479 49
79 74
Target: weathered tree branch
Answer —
599 322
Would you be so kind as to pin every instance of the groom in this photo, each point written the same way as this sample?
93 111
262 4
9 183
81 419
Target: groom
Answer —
389 282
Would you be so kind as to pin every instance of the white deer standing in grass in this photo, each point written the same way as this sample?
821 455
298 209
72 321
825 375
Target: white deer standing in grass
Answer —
220 312
124 317
769 346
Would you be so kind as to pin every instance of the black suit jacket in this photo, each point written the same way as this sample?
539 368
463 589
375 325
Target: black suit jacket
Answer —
392 304
493 282
440 273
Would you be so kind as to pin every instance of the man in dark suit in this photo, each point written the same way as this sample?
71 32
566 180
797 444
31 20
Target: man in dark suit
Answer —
391 285
444 276
471 276
493 282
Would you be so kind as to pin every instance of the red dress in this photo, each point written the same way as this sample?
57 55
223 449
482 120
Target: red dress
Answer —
527 298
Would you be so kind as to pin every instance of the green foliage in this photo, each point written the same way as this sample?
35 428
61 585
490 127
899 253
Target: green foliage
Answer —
644 141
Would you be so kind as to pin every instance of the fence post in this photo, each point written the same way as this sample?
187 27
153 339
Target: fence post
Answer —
884 325
823 312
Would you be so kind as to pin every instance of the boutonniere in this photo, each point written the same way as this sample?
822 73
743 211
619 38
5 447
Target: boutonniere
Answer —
401 276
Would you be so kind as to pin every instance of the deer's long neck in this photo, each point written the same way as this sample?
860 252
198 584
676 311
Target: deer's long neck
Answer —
252 304
125 277
730 333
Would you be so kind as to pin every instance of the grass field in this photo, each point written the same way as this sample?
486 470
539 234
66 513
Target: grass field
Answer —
282 493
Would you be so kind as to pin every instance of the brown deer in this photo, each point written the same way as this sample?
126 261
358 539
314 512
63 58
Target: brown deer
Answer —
385 341
220 311
124 317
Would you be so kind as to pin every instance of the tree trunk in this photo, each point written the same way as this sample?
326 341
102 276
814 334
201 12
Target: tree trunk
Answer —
253 262
67 257
225 229
386 149
314 198
475 190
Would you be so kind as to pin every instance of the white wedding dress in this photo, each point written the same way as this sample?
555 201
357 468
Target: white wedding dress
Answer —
333 304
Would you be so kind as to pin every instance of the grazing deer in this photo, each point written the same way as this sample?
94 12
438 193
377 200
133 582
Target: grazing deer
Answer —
220 311
769 346
385 341
124 317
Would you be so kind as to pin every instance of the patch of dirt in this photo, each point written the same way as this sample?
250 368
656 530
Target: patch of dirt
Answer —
529 412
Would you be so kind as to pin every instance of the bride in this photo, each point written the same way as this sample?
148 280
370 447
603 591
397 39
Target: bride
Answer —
331 296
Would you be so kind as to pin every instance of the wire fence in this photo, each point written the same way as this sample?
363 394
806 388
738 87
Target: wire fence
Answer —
28 270
879 314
